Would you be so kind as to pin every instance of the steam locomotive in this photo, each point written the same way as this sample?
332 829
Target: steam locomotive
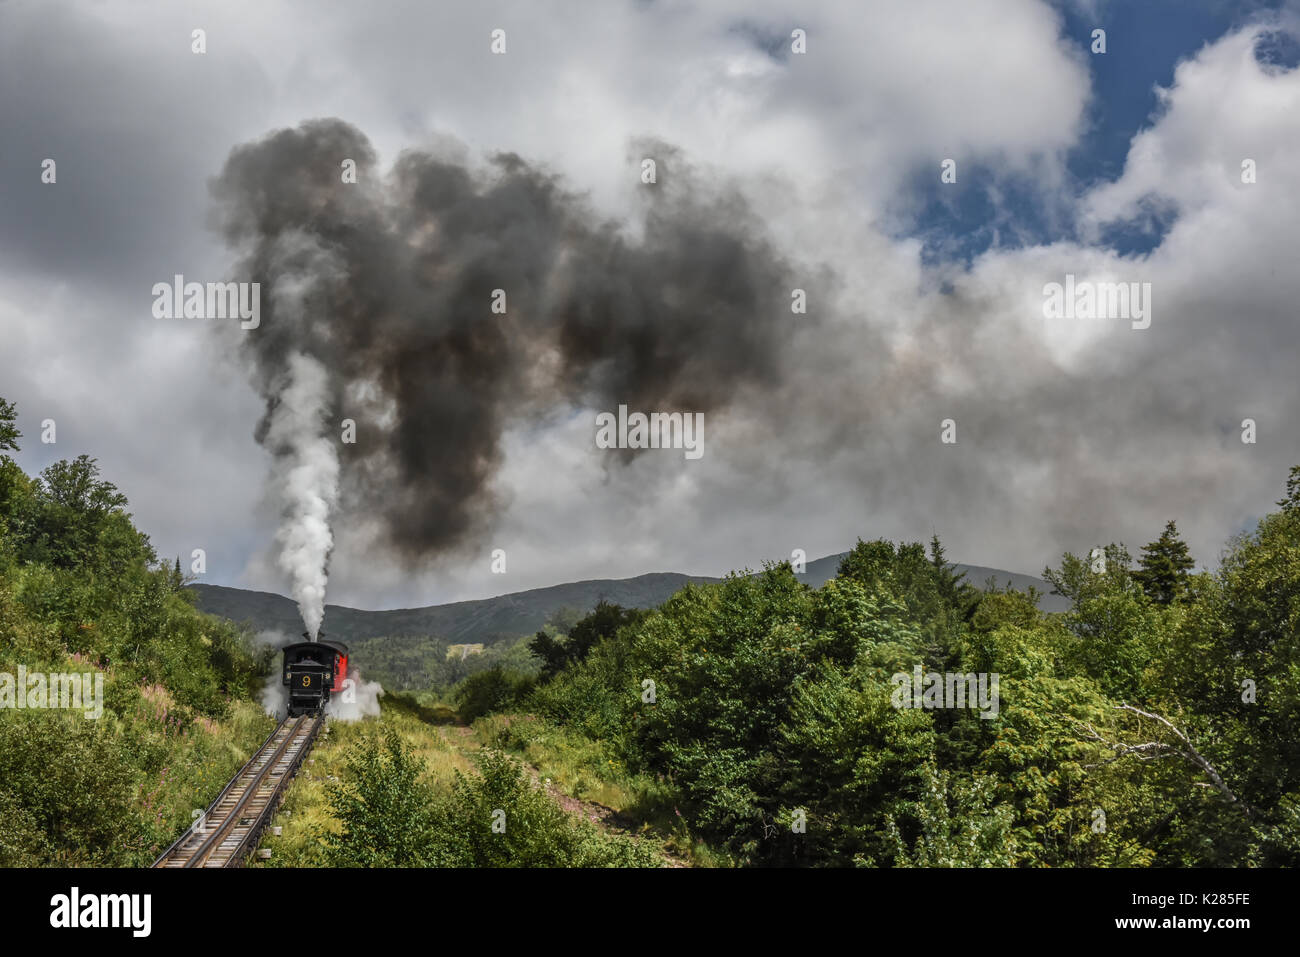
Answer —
313 670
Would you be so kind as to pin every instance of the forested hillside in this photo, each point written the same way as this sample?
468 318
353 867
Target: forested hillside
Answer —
423 649
483 620
1156 723
82 593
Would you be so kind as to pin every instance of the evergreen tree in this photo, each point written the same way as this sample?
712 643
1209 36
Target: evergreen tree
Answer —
954 590
1290 504
1165 564
9 434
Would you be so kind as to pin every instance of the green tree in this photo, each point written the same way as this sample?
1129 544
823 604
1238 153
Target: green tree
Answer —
494 689
849 759
1165 567
82 520
1116 628
1291 503
384 804
9 434
69 785
15 488
936 599
604 621
550 650
956 823
1103 571
18 503
76 485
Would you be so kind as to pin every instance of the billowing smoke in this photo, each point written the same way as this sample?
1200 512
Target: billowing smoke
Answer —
275 638
438 304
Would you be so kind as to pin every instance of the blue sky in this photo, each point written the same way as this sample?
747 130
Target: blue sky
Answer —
1144 43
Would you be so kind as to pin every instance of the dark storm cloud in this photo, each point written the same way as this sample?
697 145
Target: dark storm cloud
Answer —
136 124
389 283
130 155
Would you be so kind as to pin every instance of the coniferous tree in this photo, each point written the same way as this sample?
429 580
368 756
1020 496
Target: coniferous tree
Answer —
1290 504
9 434
1165 564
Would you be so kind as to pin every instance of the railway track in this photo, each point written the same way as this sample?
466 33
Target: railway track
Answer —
230 829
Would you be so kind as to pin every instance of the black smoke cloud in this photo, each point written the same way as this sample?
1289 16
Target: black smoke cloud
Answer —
388 283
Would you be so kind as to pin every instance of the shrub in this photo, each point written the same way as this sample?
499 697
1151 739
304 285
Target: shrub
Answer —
499 818
492 690
384 804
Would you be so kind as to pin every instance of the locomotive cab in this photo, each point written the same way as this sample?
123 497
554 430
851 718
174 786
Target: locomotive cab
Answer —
312 671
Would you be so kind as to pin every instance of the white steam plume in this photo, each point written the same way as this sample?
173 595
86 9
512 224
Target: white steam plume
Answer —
275 696
308 476
358 700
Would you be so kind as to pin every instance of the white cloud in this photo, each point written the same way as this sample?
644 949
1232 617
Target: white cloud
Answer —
1065 430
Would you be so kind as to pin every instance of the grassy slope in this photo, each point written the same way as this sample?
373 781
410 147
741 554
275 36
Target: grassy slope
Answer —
570 769
82 593
117 790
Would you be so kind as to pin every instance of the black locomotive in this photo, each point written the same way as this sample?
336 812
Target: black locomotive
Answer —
313 670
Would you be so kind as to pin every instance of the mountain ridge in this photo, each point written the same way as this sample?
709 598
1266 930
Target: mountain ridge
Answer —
519 613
